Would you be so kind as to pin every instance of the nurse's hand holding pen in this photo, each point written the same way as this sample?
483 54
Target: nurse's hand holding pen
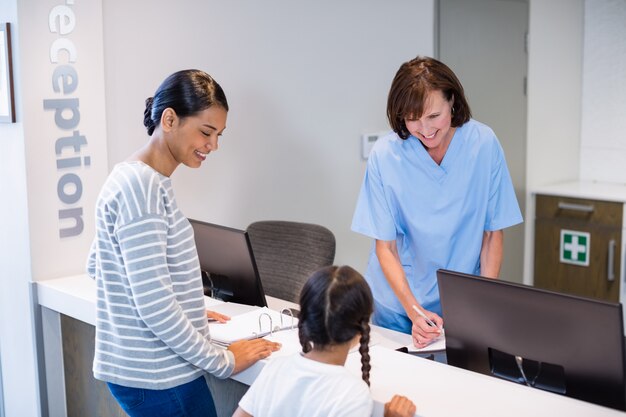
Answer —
427 326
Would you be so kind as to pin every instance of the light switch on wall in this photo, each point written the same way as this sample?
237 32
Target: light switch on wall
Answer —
367 142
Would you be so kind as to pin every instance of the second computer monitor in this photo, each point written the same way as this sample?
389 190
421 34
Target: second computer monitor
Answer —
548 340
227 263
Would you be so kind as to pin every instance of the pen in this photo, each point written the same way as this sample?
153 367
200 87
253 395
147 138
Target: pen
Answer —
428 321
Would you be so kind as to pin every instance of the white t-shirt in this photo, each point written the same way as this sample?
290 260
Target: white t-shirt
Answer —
299 387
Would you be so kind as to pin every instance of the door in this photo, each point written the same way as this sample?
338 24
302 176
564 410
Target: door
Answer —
484 42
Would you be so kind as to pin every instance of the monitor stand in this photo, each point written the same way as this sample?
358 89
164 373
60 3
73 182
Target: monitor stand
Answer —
217 286
541 375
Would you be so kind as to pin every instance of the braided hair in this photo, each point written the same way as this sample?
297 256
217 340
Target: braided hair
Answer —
187 92
335 306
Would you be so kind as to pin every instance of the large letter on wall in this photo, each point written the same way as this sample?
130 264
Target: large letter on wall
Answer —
64 127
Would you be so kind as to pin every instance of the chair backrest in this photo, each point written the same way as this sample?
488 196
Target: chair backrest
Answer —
287 253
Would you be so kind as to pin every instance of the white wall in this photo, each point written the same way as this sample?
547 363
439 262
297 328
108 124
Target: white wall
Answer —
554 102
341 57
17 347
603 136
304 80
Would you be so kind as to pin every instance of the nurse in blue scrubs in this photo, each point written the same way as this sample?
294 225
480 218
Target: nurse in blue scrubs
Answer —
437 193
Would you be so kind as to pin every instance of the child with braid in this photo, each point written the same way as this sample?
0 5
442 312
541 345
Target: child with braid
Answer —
335 309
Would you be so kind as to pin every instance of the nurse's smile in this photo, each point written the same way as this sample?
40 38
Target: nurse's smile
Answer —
433 127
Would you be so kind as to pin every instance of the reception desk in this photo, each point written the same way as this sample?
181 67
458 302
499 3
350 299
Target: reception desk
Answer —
436 388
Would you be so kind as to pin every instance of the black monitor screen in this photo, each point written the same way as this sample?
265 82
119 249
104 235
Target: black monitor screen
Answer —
551 341
229 271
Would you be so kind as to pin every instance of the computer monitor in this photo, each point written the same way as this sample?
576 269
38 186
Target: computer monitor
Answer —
229 270
552 341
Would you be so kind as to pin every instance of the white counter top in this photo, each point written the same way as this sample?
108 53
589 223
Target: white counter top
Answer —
73 296
585 189
436 388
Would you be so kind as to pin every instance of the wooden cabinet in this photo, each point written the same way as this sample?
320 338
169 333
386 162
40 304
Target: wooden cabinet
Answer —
597 229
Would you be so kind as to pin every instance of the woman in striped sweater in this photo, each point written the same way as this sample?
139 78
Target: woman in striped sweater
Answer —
152 335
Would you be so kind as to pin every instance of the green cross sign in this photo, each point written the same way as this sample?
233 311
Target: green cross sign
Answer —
575 247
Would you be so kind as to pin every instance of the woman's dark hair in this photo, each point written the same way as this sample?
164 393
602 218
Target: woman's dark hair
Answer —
410 88
187 92
335 306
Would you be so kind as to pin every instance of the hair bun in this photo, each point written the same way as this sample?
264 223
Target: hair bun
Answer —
147 116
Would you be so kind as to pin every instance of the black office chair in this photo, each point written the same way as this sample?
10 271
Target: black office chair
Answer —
287 253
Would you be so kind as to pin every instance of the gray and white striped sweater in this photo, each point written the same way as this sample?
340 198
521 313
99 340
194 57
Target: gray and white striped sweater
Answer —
151 326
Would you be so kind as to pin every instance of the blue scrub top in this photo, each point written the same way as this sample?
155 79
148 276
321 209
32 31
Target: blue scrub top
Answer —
436 213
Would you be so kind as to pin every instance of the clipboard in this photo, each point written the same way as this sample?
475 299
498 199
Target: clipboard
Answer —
250 325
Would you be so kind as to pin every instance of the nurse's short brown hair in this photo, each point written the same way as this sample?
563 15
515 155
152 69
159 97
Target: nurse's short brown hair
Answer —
410 87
